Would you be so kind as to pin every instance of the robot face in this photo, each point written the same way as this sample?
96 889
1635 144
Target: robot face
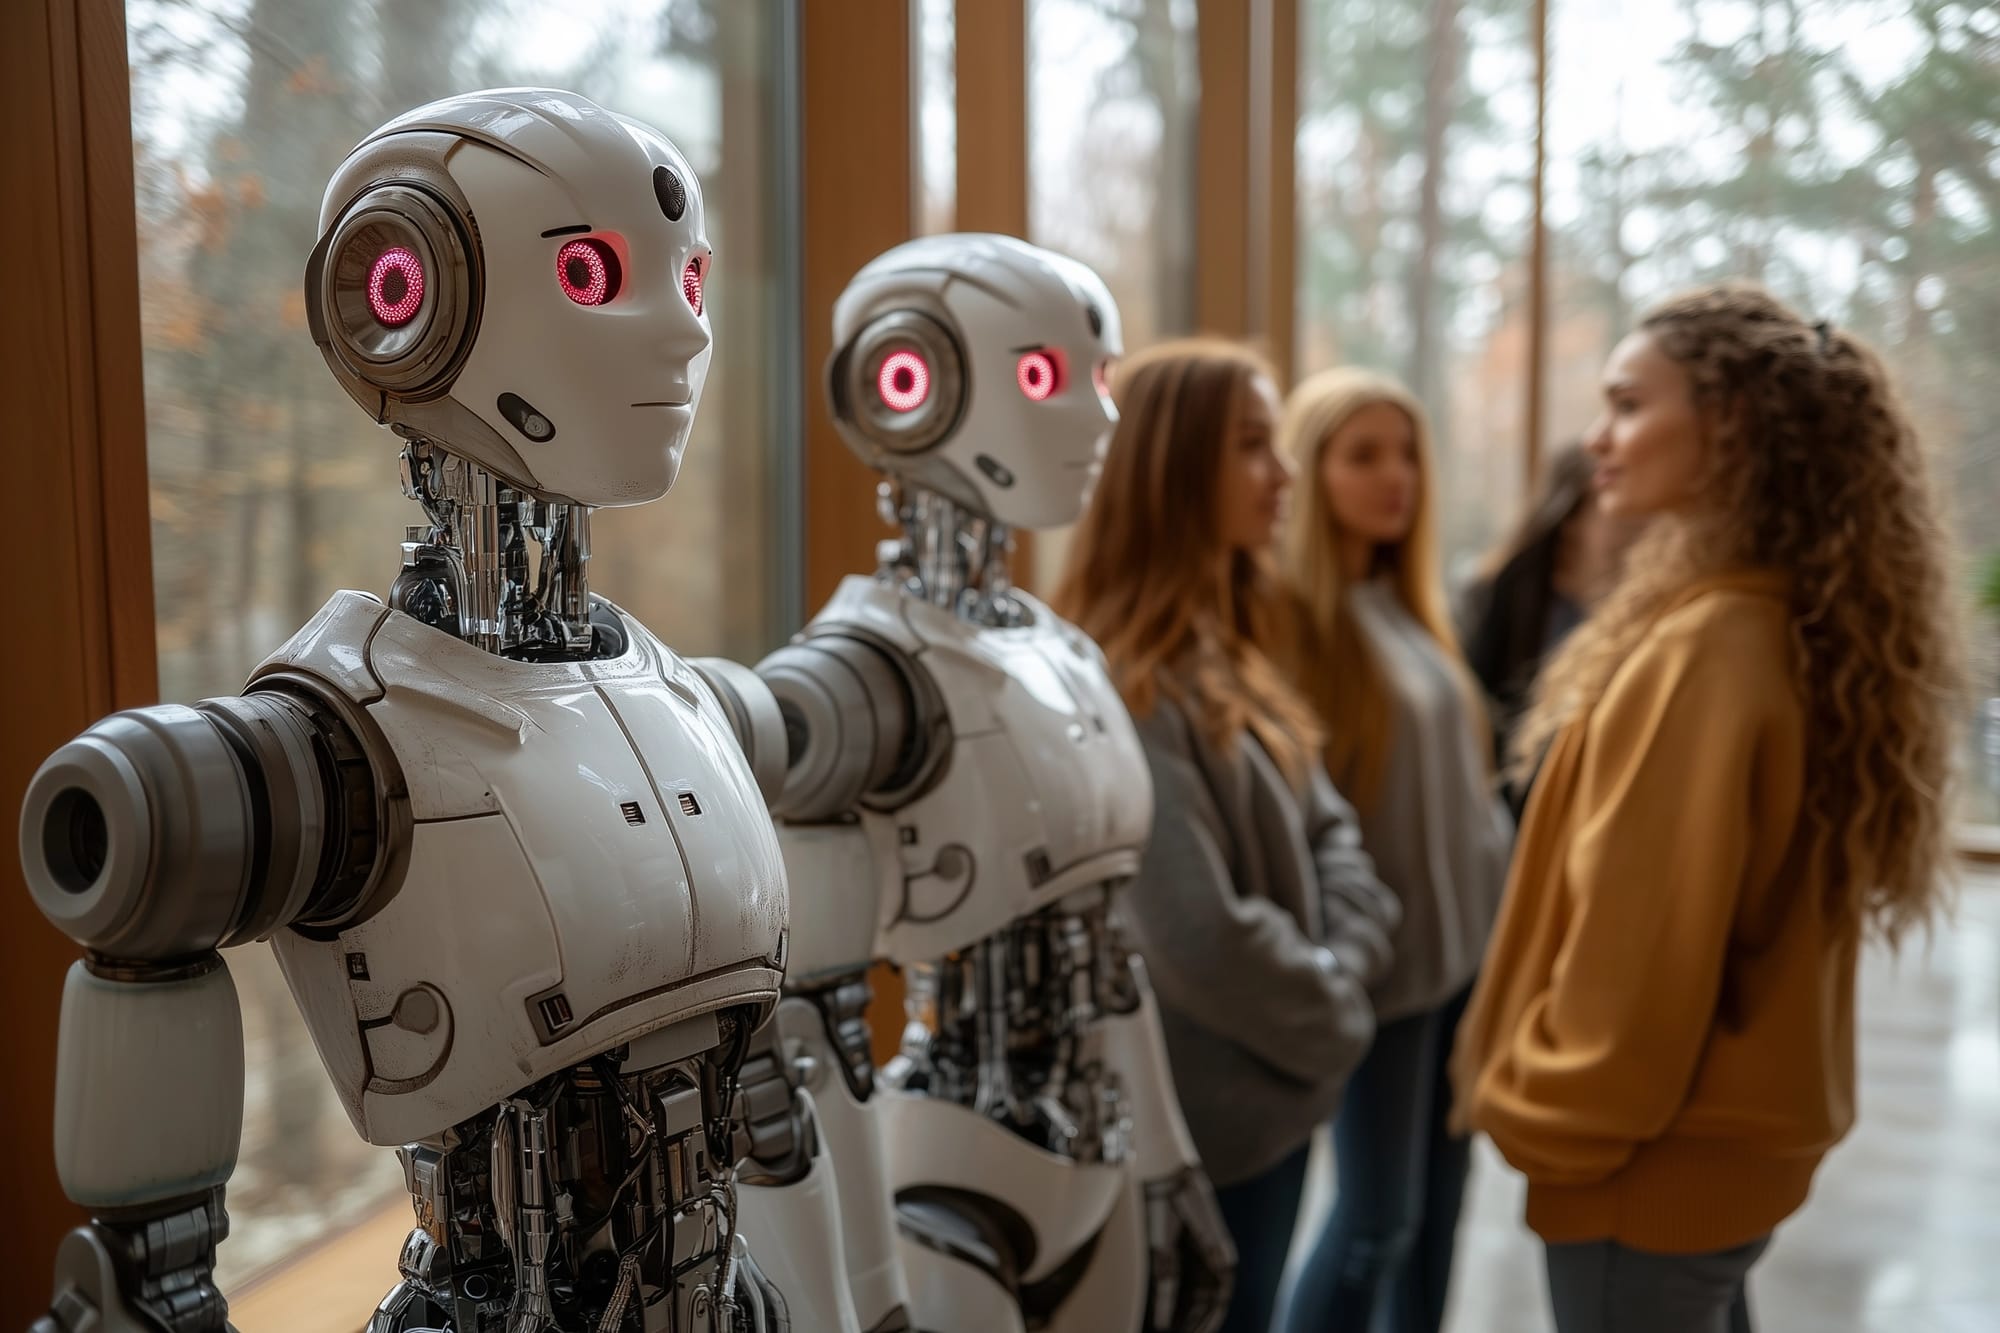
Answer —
974 365
520 276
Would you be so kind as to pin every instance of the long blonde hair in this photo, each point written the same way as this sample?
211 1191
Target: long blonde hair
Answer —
1817 473
1148 575
1333 663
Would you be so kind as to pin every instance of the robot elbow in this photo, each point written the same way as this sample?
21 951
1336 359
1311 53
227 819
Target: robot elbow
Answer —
167 831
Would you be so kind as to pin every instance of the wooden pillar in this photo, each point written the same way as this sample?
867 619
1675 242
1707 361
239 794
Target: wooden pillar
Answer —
858 187
1281 255
1244 226
1223 174
990 92
76 467
991 58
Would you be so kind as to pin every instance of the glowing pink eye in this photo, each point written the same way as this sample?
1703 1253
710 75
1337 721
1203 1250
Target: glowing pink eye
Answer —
396 286
1036 374
691 285
587 269
904 381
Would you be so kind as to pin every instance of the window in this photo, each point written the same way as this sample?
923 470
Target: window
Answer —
270 489
1112 96
1844 152
1113 92
937 116
1414 161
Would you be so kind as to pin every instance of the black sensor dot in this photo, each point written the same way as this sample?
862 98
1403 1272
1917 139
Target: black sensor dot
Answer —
671 193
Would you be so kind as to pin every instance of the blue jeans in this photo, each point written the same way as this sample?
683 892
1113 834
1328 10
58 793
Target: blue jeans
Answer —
1261 1214
1383 1261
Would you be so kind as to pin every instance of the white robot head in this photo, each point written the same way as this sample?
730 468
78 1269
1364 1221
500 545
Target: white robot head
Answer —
517 274
974 366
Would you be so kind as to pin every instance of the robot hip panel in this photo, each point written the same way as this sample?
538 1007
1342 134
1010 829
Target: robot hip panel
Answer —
936 1144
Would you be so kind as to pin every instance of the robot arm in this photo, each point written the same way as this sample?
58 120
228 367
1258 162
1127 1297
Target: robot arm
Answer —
854 723
153 839
754 716
1192 1260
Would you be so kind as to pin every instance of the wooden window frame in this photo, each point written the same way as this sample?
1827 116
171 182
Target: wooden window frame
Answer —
76 457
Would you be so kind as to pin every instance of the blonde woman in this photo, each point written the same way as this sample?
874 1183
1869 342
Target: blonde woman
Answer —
1258 916
1746 747
1407 742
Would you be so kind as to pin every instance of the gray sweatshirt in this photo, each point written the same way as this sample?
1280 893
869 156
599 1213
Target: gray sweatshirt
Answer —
1439 836
1262 926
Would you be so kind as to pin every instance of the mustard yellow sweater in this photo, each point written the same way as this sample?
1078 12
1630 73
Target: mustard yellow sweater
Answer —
1662 1039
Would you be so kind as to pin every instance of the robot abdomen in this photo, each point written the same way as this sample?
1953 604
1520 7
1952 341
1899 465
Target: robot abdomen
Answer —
590 860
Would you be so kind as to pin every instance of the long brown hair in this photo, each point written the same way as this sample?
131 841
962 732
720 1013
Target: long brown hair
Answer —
1177 611
1814 471
1563 491
1333 662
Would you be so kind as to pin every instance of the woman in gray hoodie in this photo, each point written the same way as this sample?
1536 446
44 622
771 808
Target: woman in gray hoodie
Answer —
1260 920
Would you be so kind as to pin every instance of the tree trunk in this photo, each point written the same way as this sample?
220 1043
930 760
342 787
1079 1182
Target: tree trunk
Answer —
1440 95
1156 47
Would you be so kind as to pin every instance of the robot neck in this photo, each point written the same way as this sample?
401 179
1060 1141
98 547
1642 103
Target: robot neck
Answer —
469 571
949 555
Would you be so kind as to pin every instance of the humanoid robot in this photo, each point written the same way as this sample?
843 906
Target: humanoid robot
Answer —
509 848
968 789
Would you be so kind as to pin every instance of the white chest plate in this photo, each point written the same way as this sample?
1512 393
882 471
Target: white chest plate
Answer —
1046 790
591 861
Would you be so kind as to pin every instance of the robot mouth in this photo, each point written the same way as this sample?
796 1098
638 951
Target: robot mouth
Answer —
664 402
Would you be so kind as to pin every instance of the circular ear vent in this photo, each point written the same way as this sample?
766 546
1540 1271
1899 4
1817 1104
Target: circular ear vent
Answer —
396 289
901 381
671 193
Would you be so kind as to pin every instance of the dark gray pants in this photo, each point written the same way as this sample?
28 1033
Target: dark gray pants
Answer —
1604 1287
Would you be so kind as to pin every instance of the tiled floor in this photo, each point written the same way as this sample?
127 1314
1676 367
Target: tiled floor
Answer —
1902 1234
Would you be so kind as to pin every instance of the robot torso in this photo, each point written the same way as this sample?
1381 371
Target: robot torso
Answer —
590 860
1043 790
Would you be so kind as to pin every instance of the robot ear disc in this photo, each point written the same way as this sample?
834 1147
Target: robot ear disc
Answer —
901 383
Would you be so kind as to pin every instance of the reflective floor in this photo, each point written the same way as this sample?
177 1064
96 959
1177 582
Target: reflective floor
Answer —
1902 1233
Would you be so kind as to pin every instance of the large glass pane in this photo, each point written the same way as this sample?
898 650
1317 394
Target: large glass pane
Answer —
1113 91
937 116
1414 184
270 489
1847 153
1113 88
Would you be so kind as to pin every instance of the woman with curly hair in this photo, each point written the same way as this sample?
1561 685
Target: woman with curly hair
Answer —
1746 752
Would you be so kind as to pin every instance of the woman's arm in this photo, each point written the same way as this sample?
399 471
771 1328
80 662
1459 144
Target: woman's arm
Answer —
1602 1059
1236 964
1358 913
